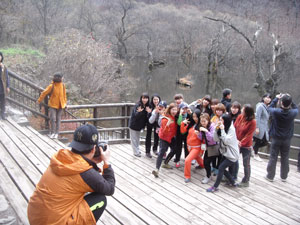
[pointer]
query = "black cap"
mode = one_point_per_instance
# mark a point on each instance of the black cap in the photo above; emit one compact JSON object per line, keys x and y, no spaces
{"x":85,"y":137}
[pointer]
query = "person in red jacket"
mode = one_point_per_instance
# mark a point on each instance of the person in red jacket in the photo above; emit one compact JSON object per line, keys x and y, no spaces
{"x":245,"y":126}
{"x":193,"y":143}
{"x":167,"y":133}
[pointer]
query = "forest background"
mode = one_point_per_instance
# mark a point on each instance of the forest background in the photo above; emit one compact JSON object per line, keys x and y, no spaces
{"x":113,"y":50}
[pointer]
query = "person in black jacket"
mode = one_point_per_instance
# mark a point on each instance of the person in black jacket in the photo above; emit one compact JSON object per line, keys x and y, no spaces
{"x":226,"y":100}
{"x":155,"y":99}
{"x":138,"y":121}
{"x":72,"y":190}
{"x":4,"y":85}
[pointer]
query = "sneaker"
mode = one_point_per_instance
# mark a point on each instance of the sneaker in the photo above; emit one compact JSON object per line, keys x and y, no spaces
{"x":155,"y":173}
{"x":268,"y":179}
{"x":55,"y":136}
{"x":167,"y":166}
{"x":229,"y":184}
{"x":138,"y":154}
{"x":243,"y":184}
{"x":177,"y":164}
{"x":149,"y":155}
{"x":187,"y":180}
{"x":257,"y":158}
{"x":52,"y":136}
{"x":205,"y":180}
{"x":193,"y":162}
{"x":283,"y":180}
{"x":155,"y":152}
{"x":212,"y":189}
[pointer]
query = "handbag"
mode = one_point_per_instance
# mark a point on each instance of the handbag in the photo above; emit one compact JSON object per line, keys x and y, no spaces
{"x":213,"y":150}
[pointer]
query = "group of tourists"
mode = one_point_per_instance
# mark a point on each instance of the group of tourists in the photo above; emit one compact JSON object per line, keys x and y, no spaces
{"x":214,"y":133}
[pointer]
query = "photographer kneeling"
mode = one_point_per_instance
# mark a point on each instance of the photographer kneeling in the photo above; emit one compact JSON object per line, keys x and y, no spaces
{"x":61,"y":194}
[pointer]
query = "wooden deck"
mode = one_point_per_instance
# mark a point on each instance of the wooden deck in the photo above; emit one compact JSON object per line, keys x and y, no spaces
{"x":142,"y":199}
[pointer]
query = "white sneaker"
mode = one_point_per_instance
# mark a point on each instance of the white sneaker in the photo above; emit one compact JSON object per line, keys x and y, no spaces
{"x":193,"y":162}
{"x":257,"y":158}
{"x":55,"y":136}
{"x":51,"y":136}
{"x":205,"y":180}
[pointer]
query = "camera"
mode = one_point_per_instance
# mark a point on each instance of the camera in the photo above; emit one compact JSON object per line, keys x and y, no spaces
{"x":101,"y":144}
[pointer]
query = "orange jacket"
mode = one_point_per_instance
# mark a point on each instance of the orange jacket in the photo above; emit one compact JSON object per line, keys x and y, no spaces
{"x":58,"y":98}
{"x":59,"y":195}
{"x":192,"y":137}
{"x":166,"y":133}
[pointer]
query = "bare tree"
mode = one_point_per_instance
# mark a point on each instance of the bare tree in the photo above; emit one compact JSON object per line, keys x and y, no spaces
{"x":47,"y":11}
{"x":262,"y":84}
{"x":217,"y":55}
{"x":89,"y":64}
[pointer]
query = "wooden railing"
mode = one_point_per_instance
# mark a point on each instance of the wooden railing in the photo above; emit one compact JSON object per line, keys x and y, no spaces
{"x":24,"y":94}
{"x":113,"y":127}
{"x":111,"y":119}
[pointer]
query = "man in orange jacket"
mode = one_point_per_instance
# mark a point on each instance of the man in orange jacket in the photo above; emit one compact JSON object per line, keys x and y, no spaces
{"x":57,"y":102}
{"x":61,"y":194}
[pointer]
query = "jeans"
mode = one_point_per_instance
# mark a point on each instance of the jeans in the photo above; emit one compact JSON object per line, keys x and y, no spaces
{"x":282,"y":146}
{"x":246,"y":153}
{"x":2,"y":105}
{"x":222,"y":170}
{"x":96,"y":201}
{"x":150,"y":128}
{"x":163,"y":148}
{"x":55,"y":117}
{"x":234,"y":170}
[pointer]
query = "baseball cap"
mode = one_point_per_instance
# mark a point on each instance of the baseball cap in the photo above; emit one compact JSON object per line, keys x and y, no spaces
{"x":85,"y":137}
{"x":183,"y":105}
{"x":162,"y":103}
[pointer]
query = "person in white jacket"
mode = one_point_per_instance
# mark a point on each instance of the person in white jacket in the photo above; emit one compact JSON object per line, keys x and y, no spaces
{"x":225,"y":134}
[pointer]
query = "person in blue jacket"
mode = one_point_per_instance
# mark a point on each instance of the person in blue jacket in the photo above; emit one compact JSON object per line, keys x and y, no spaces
{"x":281,"y":133}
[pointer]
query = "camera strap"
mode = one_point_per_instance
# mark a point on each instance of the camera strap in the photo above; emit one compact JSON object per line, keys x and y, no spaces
{"x":90,"y":162}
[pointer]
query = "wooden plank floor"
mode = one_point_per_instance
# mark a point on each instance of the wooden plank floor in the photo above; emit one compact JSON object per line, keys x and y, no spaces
{"x":142,"y":199}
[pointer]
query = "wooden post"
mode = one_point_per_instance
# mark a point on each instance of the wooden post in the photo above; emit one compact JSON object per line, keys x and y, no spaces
{"x":95,"y":116}
{"x":123,"y":122}
{"x":127,"y":121}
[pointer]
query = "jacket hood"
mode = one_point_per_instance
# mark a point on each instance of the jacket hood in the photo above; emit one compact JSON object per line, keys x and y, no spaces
{"x":66,"y":163}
